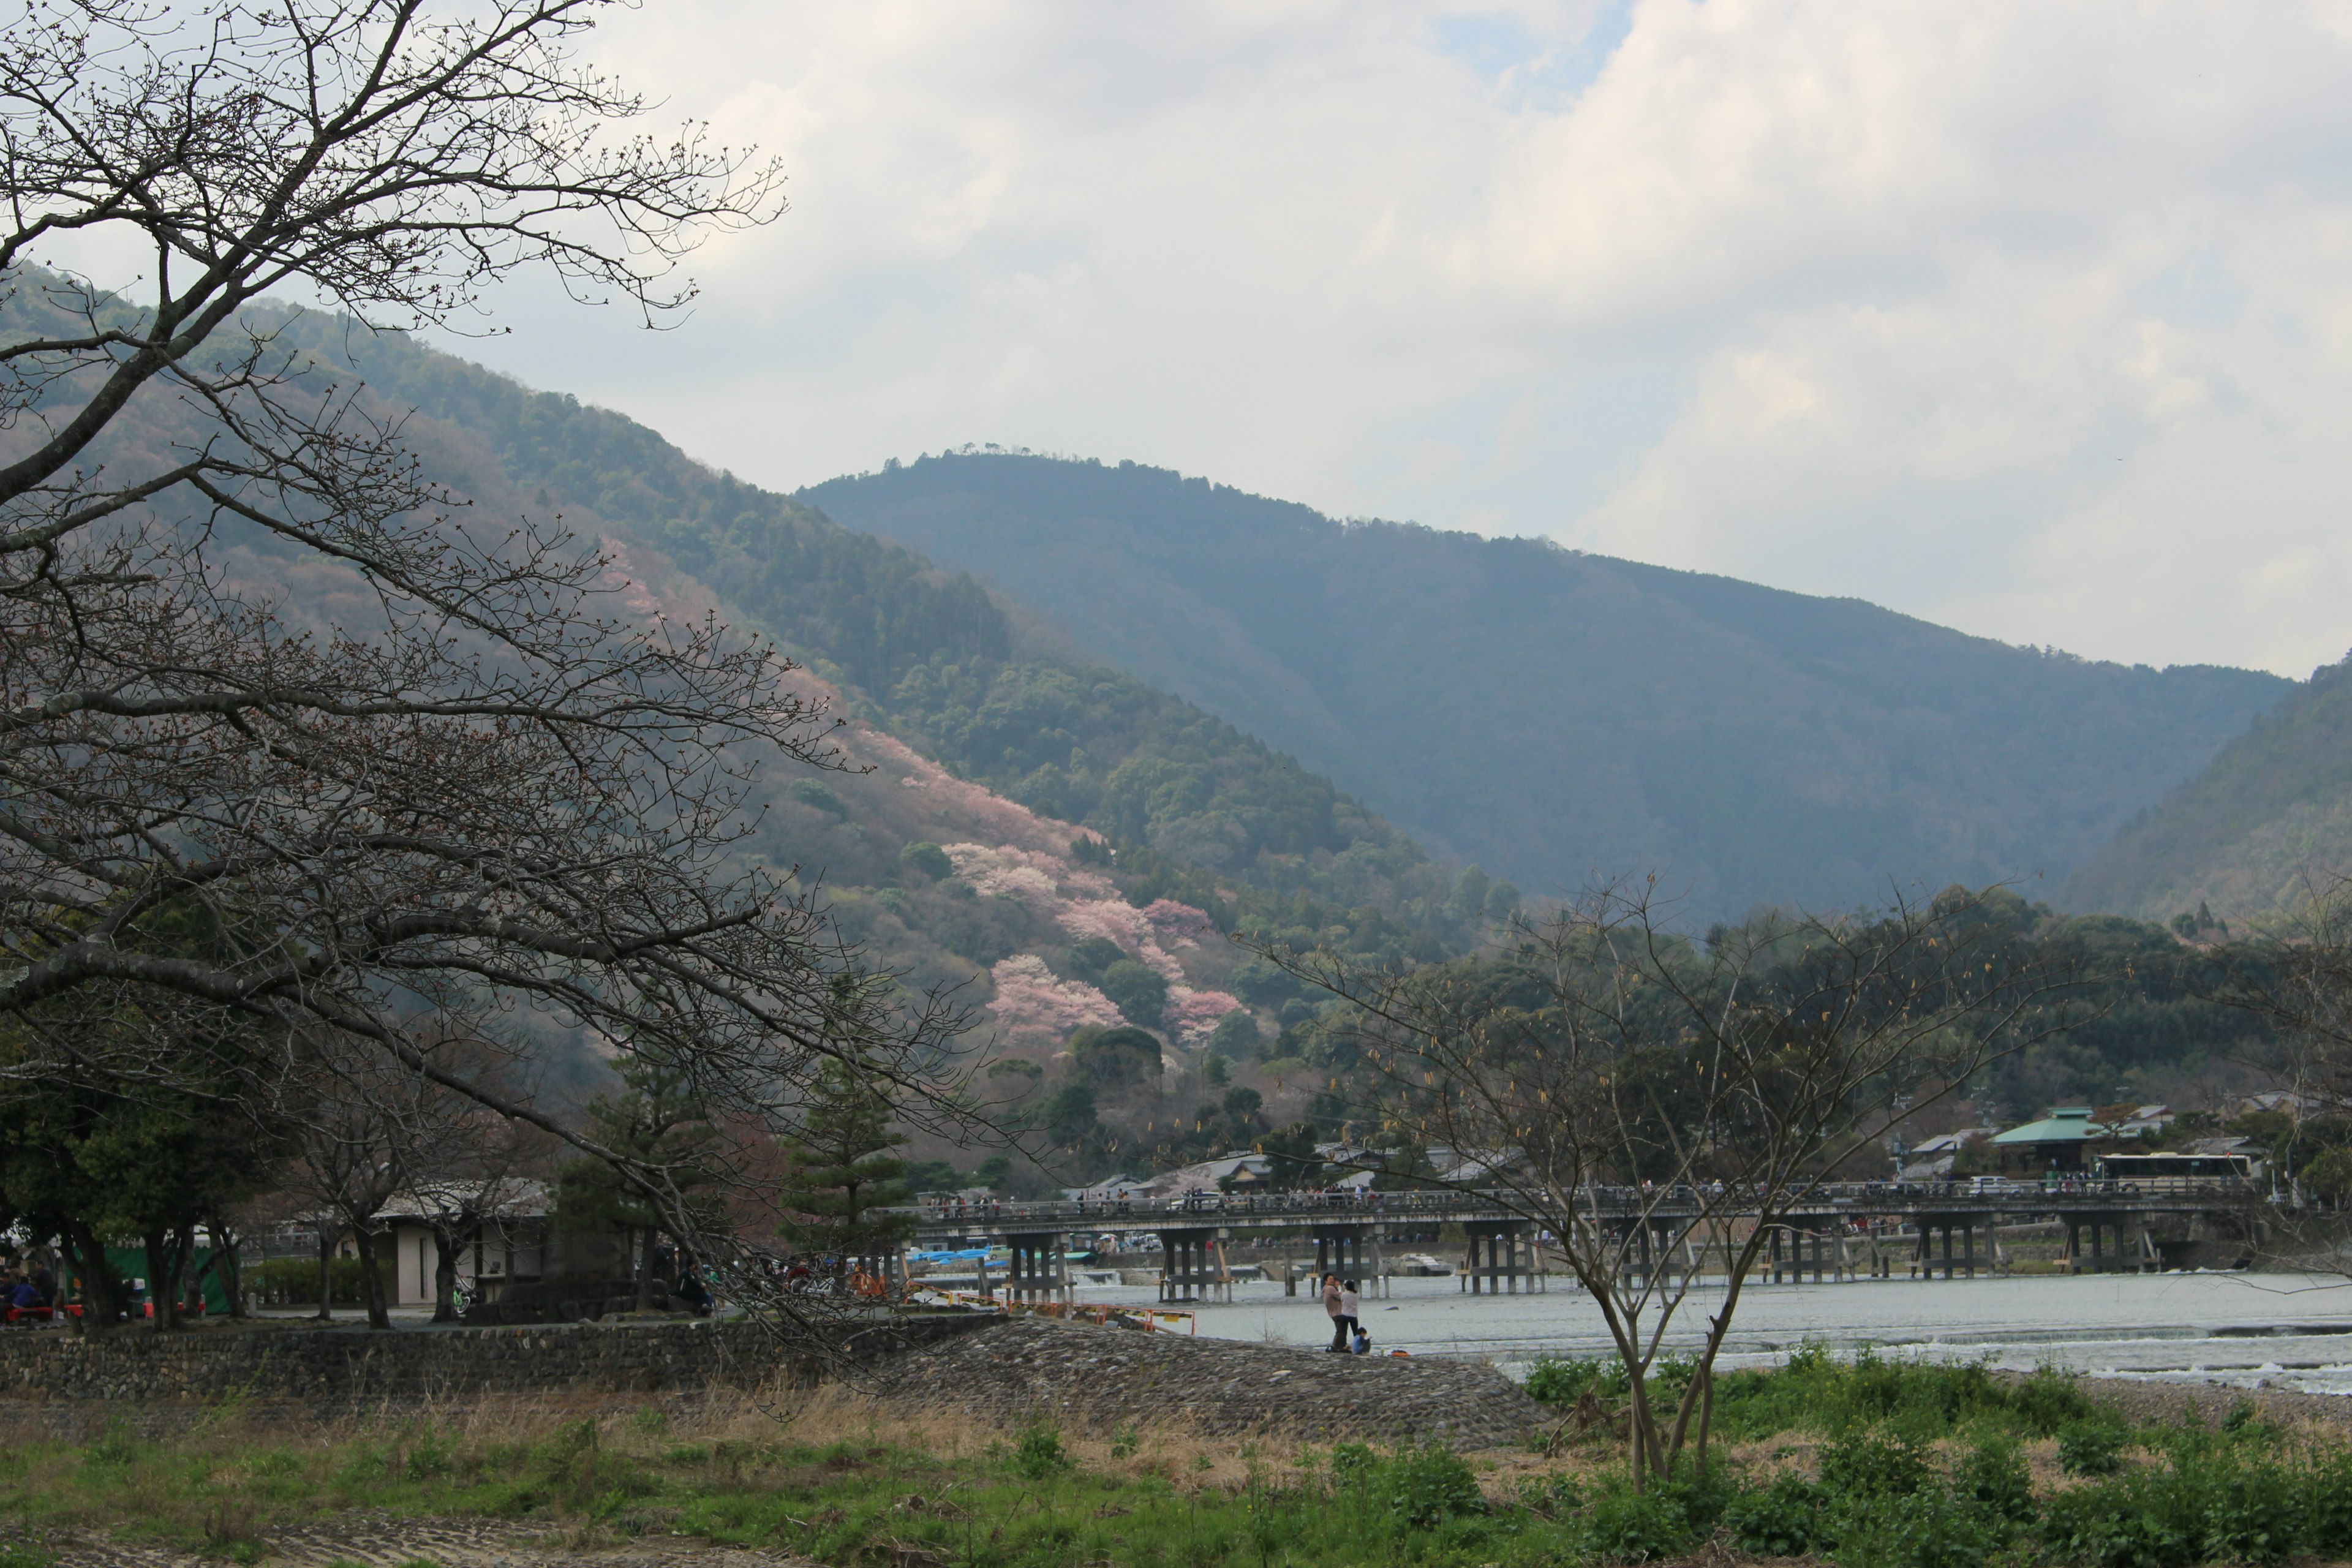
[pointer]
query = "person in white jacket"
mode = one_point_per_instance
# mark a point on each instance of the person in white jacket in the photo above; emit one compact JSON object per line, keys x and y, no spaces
{"x":1350,"y":1303}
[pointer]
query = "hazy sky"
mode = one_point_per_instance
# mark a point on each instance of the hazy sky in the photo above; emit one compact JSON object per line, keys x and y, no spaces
{"x":2034,"y":319}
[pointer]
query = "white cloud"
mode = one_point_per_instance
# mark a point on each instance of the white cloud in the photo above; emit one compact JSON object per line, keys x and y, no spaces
{"x":2034,"y":319}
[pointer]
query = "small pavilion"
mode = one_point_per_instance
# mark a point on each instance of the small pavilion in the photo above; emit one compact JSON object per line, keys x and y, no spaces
{"x":2057,"y":1143}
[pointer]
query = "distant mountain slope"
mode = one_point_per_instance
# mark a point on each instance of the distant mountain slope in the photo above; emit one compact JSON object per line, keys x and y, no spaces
{"x":2272,"y":807}
{"x":1556,"y":715}
{"x":934,"y":658}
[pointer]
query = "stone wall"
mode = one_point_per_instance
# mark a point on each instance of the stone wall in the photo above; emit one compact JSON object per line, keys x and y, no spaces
{"x":1007,"y":1370}
{"x":351,"y":1366}
{"x":1101,"y":1379}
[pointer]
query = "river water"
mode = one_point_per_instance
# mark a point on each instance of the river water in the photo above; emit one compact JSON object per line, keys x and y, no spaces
{"x":2279,"y":1331}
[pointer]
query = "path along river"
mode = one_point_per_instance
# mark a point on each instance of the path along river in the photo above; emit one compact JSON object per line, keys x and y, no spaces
{"x":2280,"y":1330}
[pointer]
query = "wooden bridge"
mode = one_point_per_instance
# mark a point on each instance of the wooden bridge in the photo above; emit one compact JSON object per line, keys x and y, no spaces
{"x":1847,"y":1231}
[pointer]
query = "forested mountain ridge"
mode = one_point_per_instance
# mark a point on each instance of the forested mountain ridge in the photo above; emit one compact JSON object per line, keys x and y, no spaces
{"x":947,"y":882}
{"x":2272,"y":811}
{"x":1206,"y":812}
{"x":1093,"y":960}
{"x":1555,"y":715}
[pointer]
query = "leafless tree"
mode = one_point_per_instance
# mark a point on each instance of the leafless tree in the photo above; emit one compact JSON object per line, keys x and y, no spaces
{"x":462,"y":1165}
{"x":484,"y":795}
{"x":1630,"y":1091}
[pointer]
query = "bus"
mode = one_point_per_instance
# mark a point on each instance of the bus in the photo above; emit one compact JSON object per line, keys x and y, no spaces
{"x":2176,"y":1173}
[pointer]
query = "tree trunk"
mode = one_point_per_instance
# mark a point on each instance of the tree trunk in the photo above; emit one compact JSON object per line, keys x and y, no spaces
{"x":187,"y":1284}
{"x":163,"y":1282}
{"x":378,"y":1314}
{"x":102,"y":1300}
{"x":446,"y":1247}
{"x":1706,"y":1413}
{"x":326,"y":1272}
{"x":228,"y":1266}
{"x":648,"y":1284}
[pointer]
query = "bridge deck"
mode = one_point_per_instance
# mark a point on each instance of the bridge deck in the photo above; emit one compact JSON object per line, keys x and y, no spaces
{"x":1827,"y":1207}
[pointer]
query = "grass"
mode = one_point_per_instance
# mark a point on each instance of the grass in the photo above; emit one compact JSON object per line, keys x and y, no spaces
{"x":1868,"y":1464}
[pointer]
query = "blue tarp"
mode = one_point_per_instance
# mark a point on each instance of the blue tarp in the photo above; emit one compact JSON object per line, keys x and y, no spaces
{"x":951,"y":1256}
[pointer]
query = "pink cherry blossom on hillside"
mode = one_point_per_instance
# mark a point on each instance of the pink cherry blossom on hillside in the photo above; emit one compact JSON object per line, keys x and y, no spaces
{"x":1123,"y":924}
{"x":1191,"y":1015}
{"x":974,"y":810}
{"x":1035,"y":1007}
{"x":1006,"y":872}
{"x":1179,"y":925}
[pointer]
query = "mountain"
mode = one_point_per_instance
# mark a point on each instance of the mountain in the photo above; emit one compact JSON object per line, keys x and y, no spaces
{"x":1197,"y":808}
{"x":2272,"y":808}
{"x":1558,"y":716}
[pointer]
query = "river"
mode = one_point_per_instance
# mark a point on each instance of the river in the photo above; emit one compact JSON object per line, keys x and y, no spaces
{"x":2279,"y":1331}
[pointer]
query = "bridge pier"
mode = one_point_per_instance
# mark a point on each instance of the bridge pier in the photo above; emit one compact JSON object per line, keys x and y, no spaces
{"x":2140,"y":1255}
{"x":1036,"y":1270}
{"x":1504,"y":1265}
{"x":1185,"y":1274}
{"x":1340,"y":1249}
{"x":1647,"y":1252}
{"x":1957,"y":1261}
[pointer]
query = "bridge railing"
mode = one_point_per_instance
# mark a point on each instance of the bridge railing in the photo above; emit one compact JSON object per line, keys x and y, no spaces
{"x":1351,"y":1205}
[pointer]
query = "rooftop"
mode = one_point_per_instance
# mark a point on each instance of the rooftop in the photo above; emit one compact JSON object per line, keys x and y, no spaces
{"x":2070,"y":1124}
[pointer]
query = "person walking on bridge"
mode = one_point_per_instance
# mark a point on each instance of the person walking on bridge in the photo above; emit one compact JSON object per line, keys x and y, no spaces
{"x":1338,"y":1313}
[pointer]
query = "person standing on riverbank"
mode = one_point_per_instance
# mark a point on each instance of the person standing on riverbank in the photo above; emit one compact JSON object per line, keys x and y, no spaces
{"x":1331,"y":1299}
{"x":1351,"y":1306}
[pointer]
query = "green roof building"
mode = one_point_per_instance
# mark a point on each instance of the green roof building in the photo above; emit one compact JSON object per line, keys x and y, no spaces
{"x":2055,"y":1142}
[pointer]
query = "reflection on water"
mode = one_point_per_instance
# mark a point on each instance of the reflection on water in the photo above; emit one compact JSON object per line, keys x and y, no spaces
{"x":2282,"y":1331}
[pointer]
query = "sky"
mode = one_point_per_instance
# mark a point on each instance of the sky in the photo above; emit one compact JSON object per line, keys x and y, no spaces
{"x":2033,"y":320}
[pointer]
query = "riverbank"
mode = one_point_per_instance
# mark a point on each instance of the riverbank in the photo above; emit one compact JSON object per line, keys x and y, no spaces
{"x":1822,"y":1461}
{"x":2238,"y":1329}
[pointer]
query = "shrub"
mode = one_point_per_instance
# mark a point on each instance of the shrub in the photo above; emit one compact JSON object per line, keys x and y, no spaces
{"x":1039,"y":1454}
{"x":1555,"y":1382}
{"x":1862,"y":1467}
{"x":1814,"y":1391}
{"x":2126,"y":1523}
{"x":1932,"y":1528}
{"x":2237,"y":1507}
{"x":2090,"y":1448}
{"x":2327,"y":1503}
{"x":1633,"y":1526}
{"x":1994,"y":1479}
{"x":2049,"y":1402}
{"x":1782,"y":1519}
{"x":1415,"y":1489}
{"x":1550,"y":1497}
{"x":1352,"y":1464}
{"x":1426,"y":1486}
{"x":294,"y":1281}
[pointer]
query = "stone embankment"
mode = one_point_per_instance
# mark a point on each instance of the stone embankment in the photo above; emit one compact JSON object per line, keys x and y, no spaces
{"x":1001,"y":1370}
{"x":1100,"y":1379}
{"x":352,"y":1367}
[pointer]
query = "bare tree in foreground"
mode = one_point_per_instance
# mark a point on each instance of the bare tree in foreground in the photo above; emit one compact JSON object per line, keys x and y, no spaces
{"x":483,"y":797}
{"x":1608,"y":1080}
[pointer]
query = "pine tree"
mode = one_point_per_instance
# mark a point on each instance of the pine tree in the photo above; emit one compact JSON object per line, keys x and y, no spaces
{"x":841,"y":1171}
{"x":658,"y":1121}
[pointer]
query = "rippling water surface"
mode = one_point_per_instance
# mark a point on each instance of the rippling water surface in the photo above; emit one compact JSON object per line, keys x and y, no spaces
{"x":2282,"y":1331}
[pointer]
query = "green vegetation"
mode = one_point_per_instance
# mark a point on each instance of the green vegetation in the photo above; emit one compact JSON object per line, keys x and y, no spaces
{"x":841,"y":1173}
{"x":1868,"y":1464}
{"x":1550,"y":714}
{"x":2242,"y":834}
{"x":1193,"y":804}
